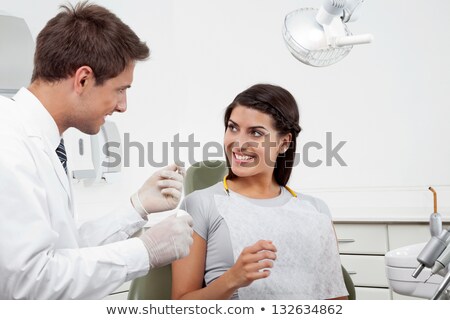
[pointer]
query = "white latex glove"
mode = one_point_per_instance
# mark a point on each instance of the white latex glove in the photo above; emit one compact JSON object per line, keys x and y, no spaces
{"x":168,"y":240}
{"x":161,"y":192}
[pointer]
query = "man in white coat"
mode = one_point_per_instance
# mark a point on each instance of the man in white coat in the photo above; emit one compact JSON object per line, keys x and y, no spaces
{"x":84,"y":63}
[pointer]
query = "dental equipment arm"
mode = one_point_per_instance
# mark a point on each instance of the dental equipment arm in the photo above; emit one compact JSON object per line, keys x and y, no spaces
{"x":442,"y":287}
{"x":351,"y":10}
{"x":330,"y":18}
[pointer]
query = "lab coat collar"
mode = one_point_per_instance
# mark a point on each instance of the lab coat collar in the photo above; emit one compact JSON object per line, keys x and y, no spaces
{"x":39,"y":123}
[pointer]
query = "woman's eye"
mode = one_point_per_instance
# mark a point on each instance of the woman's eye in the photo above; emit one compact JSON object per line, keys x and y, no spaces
{"x":257,"y":133}
{"x":232,"y":127}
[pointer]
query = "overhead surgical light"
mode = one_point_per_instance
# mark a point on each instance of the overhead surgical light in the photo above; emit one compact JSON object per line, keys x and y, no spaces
{"x":320,"y":37}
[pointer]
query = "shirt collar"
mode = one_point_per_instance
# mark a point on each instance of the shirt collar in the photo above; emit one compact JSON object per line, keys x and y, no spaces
{"x":39,"y":120}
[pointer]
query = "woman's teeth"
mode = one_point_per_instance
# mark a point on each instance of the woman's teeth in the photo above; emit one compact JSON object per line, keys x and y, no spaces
{"x":242,"y":157}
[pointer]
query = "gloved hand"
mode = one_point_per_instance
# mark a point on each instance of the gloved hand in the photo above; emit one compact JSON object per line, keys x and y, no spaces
{"x":161,"y":192}
{"x":168,"y":240}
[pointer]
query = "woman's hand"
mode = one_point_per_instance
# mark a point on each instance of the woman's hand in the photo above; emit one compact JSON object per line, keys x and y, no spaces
{"x":252,"y":264}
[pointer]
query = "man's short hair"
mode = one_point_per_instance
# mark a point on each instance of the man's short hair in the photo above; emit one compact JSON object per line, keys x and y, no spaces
{"x":85,"y":35}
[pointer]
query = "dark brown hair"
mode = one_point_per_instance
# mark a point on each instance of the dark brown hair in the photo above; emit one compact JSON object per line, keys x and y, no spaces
{"x":282,"y":107}
{"x":85,"y":35}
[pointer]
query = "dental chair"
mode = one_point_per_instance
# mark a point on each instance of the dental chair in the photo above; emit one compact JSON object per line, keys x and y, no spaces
{"x":157,"y":284}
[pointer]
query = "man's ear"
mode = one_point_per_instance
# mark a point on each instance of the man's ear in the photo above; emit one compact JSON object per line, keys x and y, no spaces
{"x":83,"y":77}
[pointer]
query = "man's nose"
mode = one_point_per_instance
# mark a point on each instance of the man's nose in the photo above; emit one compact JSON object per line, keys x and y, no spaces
{"x":122,"y":104}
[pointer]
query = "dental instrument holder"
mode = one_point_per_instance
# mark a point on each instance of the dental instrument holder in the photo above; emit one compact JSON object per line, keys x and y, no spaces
{"x":431,"y":252}
{"x":435,"y":224}
{"x":441,"y":265}
{"x":436,"y":253}
{"x":442,"y":262}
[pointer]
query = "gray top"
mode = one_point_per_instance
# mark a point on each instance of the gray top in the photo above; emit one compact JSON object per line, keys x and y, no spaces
{"x":211,"y":226}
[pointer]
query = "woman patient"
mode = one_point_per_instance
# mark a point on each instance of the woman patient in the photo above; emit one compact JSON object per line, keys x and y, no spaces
{"x":255,"y":238}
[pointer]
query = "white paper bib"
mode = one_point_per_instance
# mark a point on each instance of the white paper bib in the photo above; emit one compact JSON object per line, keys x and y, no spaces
{"x":308,"y":264}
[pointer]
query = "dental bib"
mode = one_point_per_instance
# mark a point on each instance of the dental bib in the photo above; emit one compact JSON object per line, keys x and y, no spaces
{"x":307,"y":264}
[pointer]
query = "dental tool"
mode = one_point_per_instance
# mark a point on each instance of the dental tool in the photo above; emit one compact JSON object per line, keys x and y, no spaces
{"x":441,"y":262}
{"x":431,"y":252}
{"x":435,"y":218}
{"x":436,"y":253}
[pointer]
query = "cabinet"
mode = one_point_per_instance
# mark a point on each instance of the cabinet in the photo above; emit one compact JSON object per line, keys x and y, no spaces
{"x":362,"y":246}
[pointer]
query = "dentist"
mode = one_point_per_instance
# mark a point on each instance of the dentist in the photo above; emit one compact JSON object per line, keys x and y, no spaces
{"x":83,"y":65}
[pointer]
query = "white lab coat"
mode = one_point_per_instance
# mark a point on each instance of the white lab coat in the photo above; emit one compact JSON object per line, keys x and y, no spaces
{"x":43,"y":255}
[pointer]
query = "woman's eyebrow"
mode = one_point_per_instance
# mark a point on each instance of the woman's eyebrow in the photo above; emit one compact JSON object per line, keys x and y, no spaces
{"x":234,"y":123}
{"x":252,"y":127}
{"x":258,"y":127}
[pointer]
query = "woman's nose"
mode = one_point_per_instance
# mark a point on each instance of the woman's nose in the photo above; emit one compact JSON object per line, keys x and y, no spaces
{"x":242,"y":142}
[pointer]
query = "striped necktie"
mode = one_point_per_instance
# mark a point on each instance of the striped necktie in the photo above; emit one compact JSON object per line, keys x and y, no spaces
{"x":61,"y":152}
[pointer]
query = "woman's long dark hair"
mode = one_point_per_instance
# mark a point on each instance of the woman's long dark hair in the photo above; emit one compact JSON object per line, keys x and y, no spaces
{"x":282,"y":107}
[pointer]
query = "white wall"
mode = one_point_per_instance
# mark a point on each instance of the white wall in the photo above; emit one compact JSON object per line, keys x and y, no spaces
{"x":388,"y":100}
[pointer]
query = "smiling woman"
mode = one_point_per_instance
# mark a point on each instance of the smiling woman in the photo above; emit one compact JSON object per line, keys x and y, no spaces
{"x":270,"y":115}
{"x":259,"y":239}
{"x":251,"y":142}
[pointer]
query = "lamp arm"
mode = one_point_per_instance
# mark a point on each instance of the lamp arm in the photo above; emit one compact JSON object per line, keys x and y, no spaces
{"x":351,"y":10}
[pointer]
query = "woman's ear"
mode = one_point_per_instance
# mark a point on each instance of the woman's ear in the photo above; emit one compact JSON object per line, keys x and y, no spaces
{"x":285,"y":142}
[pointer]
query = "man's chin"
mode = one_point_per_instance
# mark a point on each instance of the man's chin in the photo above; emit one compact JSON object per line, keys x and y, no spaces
{"x":90,"y":130}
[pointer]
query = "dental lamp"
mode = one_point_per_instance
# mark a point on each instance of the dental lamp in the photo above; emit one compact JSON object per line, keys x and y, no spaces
{"x":320,"y":37}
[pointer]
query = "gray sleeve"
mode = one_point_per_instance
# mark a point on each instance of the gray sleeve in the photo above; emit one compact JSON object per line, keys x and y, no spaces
{"x":210,"y":225}
{"x":198,"y":207}
{"x":323,"y":207}
{"x":319,"y":204}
